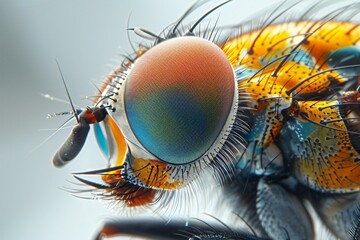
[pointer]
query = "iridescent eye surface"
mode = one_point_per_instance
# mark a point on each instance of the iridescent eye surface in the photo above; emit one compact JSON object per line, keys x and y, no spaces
{"x":178,"y":97}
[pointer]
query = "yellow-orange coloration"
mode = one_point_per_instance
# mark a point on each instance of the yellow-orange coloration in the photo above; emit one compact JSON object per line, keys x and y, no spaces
{"x":278,"y":40}
{"x":131,"y":195}
{"x":330,"y":160}
{"x":120,"y":142}
{"x":155,"y":174}
{"x":269,"y":43}
{"x":329,"y":37}
{"x":273,"y":85}
{"x":265,"y":85}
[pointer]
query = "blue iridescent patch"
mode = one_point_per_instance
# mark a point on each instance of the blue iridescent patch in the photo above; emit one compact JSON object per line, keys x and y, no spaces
{"x":101,"y":140}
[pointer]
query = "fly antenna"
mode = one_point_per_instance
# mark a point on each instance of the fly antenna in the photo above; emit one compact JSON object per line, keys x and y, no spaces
{"x":67,"y":92}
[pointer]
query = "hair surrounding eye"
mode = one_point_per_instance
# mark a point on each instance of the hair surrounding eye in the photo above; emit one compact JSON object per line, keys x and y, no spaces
{"x":178,"y":97}
{"x":268,"y":108}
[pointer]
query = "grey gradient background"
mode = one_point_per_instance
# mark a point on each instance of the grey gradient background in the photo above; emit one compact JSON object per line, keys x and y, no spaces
{"x":87,"y":37}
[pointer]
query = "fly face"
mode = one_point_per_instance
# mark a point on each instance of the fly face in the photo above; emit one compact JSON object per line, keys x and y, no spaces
{"x":272,"y":111}
{"x":174,"y":106}
{"x":169,"y":113}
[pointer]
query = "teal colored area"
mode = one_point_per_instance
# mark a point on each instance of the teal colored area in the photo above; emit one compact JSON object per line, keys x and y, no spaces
{"x":307,"y":129}
{"x":101,"y":140}
{"x":242,"y":73}
{"x":344,"y":58}
{"x":174,"y":125}
{"x":292,"y":135}
{"x":258,"y":127}
{"x":298,"y":56}
{"x":302,"y":56}
{"x":299,"y":130}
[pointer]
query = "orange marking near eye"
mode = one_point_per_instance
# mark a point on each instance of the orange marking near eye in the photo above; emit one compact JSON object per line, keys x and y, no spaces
{"x":156,"y":174}
{"x":131,"y":195}
{"x":153,"y":173}
{"x":120,"y":141}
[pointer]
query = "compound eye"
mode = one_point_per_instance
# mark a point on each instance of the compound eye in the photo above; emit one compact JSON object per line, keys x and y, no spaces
{"x":178,"y":97}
